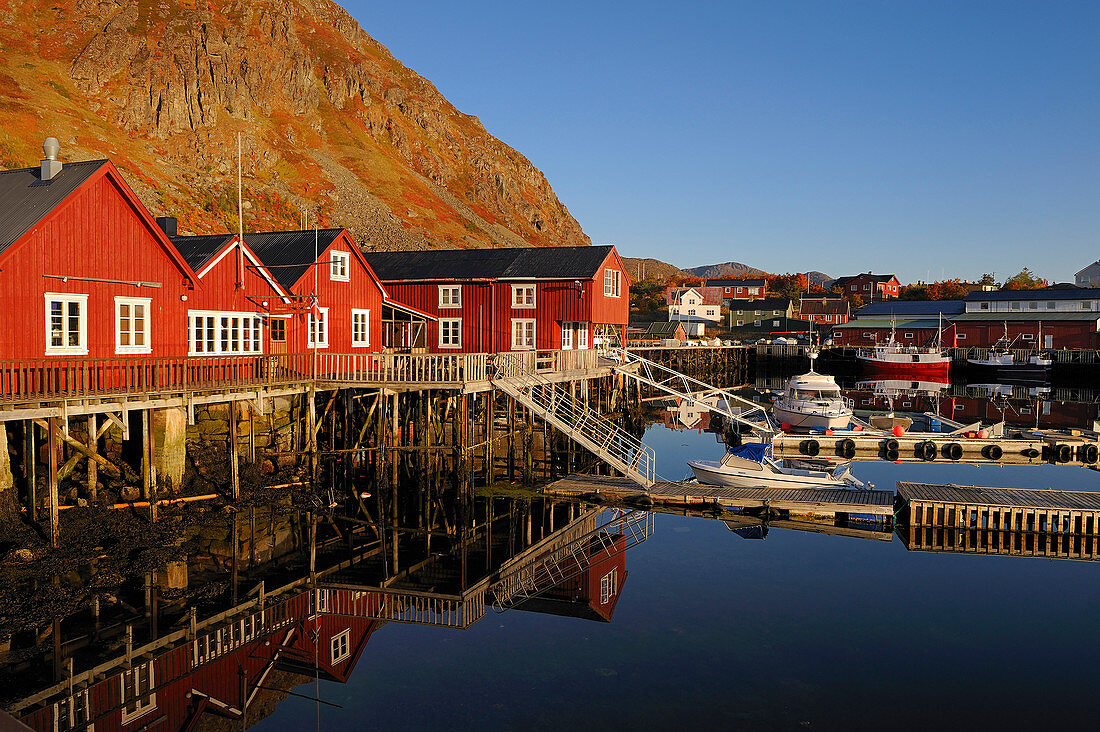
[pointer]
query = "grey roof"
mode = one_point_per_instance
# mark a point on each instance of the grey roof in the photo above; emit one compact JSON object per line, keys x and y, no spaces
{"x":289,"y":254}
{"x":199,"y":250}
{"x":1047,"y":293}
{"x":904,"y":308}
{"x":661,"y":327}
{"x":549,"y":263}
{"x":25,"y":198}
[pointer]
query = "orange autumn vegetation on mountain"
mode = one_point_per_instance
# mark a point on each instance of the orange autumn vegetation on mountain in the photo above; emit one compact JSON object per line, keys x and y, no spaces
{"x":330,"y":122}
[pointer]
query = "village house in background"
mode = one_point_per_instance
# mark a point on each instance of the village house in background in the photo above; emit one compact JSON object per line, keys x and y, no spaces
{"x":754,"y":312}
{"x":1089,"y":276}
{"x":695,"y":305}
{"x":824,"y":309}
{"x":870,"y":287}
{"x":739,"y":288}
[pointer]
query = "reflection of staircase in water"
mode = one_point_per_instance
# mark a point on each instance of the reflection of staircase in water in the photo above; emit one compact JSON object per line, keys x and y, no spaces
{"x":604,"y":439}
{"x":619,"y":530}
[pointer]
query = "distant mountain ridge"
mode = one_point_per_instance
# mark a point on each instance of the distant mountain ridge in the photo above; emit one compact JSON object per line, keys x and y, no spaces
{"x":725,"y":269}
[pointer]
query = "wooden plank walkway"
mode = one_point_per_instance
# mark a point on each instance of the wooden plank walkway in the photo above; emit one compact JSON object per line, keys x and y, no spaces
{"x":1011,"y":509}
{"x":816,"y":502}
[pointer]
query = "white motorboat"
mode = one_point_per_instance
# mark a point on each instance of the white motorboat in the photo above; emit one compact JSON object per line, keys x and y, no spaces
{"x":813,"y":401}
{"x":1003,"y":363}
{"x":750,"y":465}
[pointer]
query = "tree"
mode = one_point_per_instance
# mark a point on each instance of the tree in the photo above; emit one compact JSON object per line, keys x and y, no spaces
{"x":1024,"y":280}
{"x":918,"y":291}
{"x":789,"y":285}
{"x":987,"y":280}
{"x":948,"y":290}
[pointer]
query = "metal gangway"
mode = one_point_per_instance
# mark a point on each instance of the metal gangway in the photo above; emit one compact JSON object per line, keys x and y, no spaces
{"x":619,"y":530}
{"x":604,"y":439}
{"x":734,"y":408}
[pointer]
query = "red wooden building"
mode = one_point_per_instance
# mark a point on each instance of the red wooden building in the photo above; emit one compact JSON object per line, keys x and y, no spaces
{"x":221,"y":672}
{"x":740,"y":288}
{"x":824,"y":310}
{"x":594,"y":593}
{"x":870,"y":287}
{"x":85,"y":272}
{"x":491,"y":300}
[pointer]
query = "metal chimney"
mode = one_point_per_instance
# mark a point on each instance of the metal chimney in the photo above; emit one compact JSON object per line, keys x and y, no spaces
{"x":51,"y":166}
{"x":168,"y":224}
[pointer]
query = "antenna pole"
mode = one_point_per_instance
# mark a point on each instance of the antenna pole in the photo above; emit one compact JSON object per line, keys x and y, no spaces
{"x":240,"y":217}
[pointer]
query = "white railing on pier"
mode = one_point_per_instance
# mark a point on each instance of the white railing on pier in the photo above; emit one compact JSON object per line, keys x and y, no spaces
{"x":732,"y":407}
{"x":434,"y":368}
{"x":604,"y":439}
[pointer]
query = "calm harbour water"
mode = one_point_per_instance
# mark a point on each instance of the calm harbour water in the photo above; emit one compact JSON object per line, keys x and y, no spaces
{"x":798,"y":631}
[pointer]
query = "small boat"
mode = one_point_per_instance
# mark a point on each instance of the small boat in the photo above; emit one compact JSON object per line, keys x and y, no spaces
{"x":1003,"y":363}
{"x":891,"y":389}
{"x":929,"y":363}
{"x":813,"y":401}
{"x":750,"y":465}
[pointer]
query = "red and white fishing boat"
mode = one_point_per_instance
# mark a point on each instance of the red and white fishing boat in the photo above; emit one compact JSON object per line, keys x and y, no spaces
{"x":928,"y":363}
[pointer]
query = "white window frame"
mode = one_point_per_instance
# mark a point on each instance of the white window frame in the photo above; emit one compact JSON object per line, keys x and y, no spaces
{"x":520,"y":297}
{"x":339,"y":266}
{"x":143,"y":302}
{"x":249,"y":339}
{"x":454,"y":339}
{"x":582,"y":335}
{"x":322,"y":322}
{"x":740,"y":322}
{"x":450,"y":296}
{"x":908,"y":335}
{"x":609,"y":585}
{"x":340,"y":646}
{"x":81,"y":348}
{"x":612,"y":283}
{"x":961,"y":336}
{"x":360,"y":338}
{"x":1027,"y":336}
{"x":73,"y":712}
{"x":567,"y":335}
{"x":142,"y":701}
{"x":525,"y":346}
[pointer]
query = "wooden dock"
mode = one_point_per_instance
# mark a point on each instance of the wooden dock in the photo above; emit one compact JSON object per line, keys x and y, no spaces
{"x":1068,"y":447}
{"x":1005,"y":509}
{"x":823,"y":502}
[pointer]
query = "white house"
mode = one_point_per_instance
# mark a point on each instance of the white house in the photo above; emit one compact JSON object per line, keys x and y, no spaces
{"x":690,"y":306}
{"x":1089,"y":276}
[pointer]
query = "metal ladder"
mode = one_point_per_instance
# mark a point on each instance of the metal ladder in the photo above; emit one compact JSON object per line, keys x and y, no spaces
{"x":557,"y":566}
{"x":604,"y":439}
{"x":672,"y":382}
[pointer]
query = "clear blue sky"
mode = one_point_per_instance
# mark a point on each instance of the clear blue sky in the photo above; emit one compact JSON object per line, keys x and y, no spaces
{"x":912,"y":137}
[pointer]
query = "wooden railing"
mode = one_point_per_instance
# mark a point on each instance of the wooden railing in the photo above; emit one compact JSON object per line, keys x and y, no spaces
{"x":52,"y":378}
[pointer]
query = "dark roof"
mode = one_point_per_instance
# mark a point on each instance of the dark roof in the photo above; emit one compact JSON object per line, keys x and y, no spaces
{"x":766,"y":303}
{"x":1047,"y":293}
{"x":289,"y":254}
{"x":737,"y":282}
{"x":26,"y":198}
{"x":199,"y":250}
{"x":550,"y":263}
{"x":906,"y":308}
{"x":816,"y":306}
{"x":661,"y":327}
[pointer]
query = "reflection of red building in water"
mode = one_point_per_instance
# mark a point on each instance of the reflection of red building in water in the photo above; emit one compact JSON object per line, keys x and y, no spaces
{"x":221,"y":671}
{"x":591,"y":595}
{"x":686,"y":416}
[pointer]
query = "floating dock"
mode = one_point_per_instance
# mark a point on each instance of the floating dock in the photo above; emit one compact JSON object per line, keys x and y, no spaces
{"x":1069,"y":447}
{"x":820,"y":503}
{"x":930,"y":505}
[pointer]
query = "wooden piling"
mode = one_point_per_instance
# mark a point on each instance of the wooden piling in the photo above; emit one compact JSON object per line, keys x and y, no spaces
{"x":54,"y":448}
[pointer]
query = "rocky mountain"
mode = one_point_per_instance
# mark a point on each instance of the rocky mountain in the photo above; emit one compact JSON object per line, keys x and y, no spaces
{"x":639,"y":269}
{"x":726,"y":269}
{"x":329,"y":122}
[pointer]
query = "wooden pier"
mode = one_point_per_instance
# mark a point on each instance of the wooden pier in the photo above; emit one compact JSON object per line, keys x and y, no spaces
{"x":1006,"y":509}
{"x":1037,"y":447}
{"x":821,"y":503}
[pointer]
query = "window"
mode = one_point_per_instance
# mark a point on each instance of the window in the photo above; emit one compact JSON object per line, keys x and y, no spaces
{"x":612,"y":280}
{"x":757,"y":312}
{"x":866,"y":288}
{"x":523,"y":335}
{"x":1015,"y":306}
{"x":450,"y":333}
{"x":855,"y":288}
{"x":338,"y":266}
{"x":756,"y":323}
{"x":775,"y":323}
{"x":66,"y":324}
{"x":566,"y":336}
{"x":523,"y":296}
{"x":961,"y":336}
{"x":1086,"y":305}
{"x":984,"y":306}
{"x":727,"y":289}
{"x":132,"y":325}
{"x":277,"y":329}
{"x":341,"y":646}
{"x":740,"y":290}
{"x":582,"y":336}
{"x":138,"y":697}
{"x":1033,"y":306}
{"x":691,"y":312}
{"x":224,"y":333}
{"x":868,"y":335}
{"x":360,"y":328}
{"x":1027,"y":337}
{"x":318,"y":328}
{"x":740,"y":322}
{"x":72,"y":712}
{"x":609,"y":585}
{"x":450,"y":296}
{"x":1050,"y":305}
